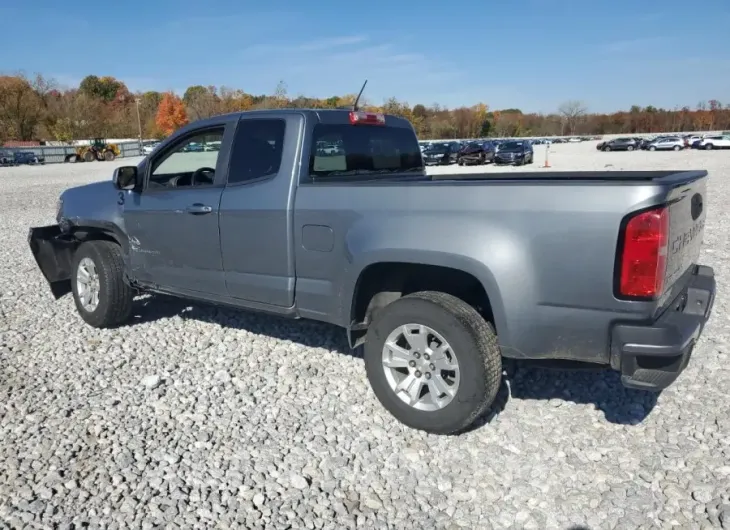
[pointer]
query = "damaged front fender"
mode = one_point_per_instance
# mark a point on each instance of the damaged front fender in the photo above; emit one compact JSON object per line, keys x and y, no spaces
{"x":53,"y":252}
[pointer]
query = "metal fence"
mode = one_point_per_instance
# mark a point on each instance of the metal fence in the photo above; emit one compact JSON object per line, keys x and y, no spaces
{"x":57,"y":154}
{"x":566,"y":137}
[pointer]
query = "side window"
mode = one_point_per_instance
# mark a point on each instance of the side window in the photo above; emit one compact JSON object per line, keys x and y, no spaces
{"x":257,"y":149}
{"x":190,"y":163}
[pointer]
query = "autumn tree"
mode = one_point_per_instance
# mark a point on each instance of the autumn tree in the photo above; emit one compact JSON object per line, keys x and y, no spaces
{"x":572,"y":111}
{"x":21,"y":108}
{"x":171,"y":114}
{"x":202,"y":102}
{"x":105,"y":88}
{"x":35,"y":108}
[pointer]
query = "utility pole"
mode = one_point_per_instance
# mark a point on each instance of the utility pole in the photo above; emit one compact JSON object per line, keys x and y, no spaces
{"x":139,"y":125}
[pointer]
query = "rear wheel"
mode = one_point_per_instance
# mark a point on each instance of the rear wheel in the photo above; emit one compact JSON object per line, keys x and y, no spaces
{"x":102,"y":298}
{"x":652,"y":148}
{"x":709,"y":146}
{"x":109,"y":155}
{"x":630,"y":148}
{"x":677,"y":148}
{"x":433,"y":362}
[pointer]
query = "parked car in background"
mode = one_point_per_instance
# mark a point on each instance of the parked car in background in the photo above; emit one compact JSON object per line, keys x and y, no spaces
{"x":644,"y":142}
{"x":515,"y":153}
{"x":441,"y":154}
{"x":193,"y":147}
{"x":476,"y":153}
{"x":667,"y":143}
{"x":148,"y":147}
{"x":27,"y":157}
{"x":715,"y":142}
{"x":618,"y":144}
{"x":6,"y":158}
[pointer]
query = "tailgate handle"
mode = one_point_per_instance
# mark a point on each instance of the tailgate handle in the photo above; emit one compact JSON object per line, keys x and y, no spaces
{"x":696,"y":206}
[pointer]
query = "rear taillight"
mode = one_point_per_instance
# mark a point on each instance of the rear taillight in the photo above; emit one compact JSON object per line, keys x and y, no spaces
{"x":644,"y":254}
{"x":368,"y":118}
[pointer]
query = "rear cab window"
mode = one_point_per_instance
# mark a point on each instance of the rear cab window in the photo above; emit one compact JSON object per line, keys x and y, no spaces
{"x":359,"y":150}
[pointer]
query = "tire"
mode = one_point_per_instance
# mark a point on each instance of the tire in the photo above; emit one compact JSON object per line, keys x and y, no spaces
{"x":630,"y":148}
{"x":709,"y":146}
{"x":652,"y":148}
{"x":114,"y":305}
{"x":606,"y":149}
{"x":460,"y":162}
{"x":677,"y":148}
{"x":473,"y":343}
{"x":109,"y":156}
{"x":89,"y":156}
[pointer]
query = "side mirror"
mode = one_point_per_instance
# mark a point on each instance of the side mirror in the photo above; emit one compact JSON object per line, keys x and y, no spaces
{"x":125,"y":177}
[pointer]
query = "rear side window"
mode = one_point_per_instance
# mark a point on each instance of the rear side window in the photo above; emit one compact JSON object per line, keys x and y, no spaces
{"x":257,"y":149}
{"x":339,"y":150}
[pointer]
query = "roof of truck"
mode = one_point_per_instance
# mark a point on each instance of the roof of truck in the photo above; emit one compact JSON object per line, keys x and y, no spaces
{"x":323,"y":115}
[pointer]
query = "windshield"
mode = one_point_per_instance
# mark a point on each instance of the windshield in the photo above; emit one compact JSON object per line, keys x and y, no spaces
{"x":510,"y":146}
{"x":441,"y":148}
{"x":363,"y":149}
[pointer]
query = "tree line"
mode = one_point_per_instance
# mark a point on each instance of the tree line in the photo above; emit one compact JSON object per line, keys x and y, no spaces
{"x":37,"y":108}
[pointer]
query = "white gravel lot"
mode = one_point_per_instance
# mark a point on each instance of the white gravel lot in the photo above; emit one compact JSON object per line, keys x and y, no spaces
{"x":198,"y":417}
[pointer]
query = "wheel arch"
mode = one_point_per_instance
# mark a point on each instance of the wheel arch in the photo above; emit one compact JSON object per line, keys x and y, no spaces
{"x":89,"y":230}
{"x":383,"y":279}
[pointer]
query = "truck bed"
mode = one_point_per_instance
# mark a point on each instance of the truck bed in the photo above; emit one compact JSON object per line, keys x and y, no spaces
{"x":580,"y":176}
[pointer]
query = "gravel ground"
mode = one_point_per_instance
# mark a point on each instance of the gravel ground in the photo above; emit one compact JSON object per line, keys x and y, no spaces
{"x":198,"y":417}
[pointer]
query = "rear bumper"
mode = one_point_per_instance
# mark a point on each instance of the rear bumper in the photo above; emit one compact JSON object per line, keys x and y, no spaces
{"x":53,"y":251}
{"x":651,"y":356}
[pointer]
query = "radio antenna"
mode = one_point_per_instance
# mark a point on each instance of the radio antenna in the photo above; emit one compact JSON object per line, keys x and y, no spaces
{"x":357,"y":99}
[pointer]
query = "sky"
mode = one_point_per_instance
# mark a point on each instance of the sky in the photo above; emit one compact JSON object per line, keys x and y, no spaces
{"x":527,"y":54}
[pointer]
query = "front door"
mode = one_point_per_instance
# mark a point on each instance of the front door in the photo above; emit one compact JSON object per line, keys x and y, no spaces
{"x":173,"y":223}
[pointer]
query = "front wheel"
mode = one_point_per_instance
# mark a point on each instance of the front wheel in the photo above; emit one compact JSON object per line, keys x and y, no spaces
{"x":109,"y":156}
{"x":606,"y":149}
{"x":630,"y":148}
{"x":652,"y":148}
{"x":708,"y":146}
{"x":102,"y":298}
{"x":677,"y":148}
{"x":433,"y":362}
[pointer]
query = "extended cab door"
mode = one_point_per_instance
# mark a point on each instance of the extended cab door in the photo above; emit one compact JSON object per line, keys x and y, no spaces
{"x":173,"y":223}
{"x":256,"y":212}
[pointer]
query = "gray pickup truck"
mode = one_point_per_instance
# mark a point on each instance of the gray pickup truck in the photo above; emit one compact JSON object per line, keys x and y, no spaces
{"x":438,"y":278}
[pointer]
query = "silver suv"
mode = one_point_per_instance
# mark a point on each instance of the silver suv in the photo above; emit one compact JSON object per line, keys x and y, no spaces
{"x":666,"y":143}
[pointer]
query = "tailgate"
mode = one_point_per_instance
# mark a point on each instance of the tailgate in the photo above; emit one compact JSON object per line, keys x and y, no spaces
{"x":687,"y":211}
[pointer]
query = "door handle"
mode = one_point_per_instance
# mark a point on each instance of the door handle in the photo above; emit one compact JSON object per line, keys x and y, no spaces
{"x":198,"y":209}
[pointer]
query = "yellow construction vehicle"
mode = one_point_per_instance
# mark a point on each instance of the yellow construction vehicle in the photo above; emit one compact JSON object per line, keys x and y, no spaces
{"x":99,"y":149}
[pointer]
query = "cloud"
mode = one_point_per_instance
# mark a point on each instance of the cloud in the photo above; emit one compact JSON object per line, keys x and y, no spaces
{"x":338,"y":64}
{"x":303,"y":47}
{"x":629,"y":45}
